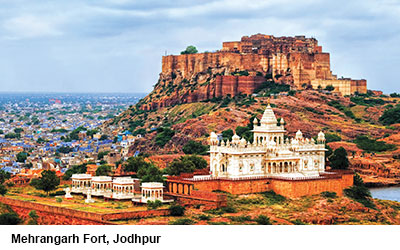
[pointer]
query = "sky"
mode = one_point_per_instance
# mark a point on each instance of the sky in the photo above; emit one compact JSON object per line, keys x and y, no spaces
{"x":117,"y":45}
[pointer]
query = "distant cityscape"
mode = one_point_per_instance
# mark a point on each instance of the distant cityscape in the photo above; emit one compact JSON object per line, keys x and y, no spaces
{"x":55,"y":130}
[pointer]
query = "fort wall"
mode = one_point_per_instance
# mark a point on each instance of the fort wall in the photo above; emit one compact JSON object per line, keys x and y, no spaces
{"x":292,"y":188}
{"x":53,"y":215}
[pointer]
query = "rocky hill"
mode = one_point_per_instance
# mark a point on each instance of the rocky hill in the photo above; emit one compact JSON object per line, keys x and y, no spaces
{"x":166,"y":130}
{"x":244,"y":67}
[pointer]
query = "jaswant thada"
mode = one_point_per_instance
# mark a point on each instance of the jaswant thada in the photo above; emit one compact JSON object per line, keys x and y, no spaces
{"x":270,"y":154}
{"x":292,"y":167}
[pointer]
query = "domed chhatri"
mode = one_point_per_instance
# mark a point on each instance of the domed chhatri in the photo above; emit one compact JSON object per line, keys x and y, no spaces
{"x":270,"y":154}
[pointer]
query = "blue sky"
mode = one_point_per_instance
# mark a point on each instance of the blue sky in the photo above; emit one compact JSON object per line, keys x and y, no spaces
{"x":116,"y":45}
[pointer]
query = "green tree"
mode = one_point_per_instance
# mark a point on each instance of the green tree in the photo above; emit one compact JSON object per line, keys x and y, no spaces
{"x":176,"y":167}
{"x":227,"y":134}
{"x":100,"y":155}
{"x":75,"y":169}
{"x":163,"y":136}
{"x":150,"y":173}
{"x":10,"y":218}
{"x":48,"y":182}
{"x":189,"y":50}
{"x":4,"y":176}
{"x":390,"y":116}
{"x":199,"y":162}
{"x":22,"y":156}
{"x":193,"y":147}
{"x":359,"y":192}
{"x":64,"y":149}
{"x":134,"y":163}
{"x":3,"y":190}
{"x":103,"y":170}
{"x":339,"y":159}
{"x":245,"y":132}
{"x":18,"y":130}
{"x":33,"y":218}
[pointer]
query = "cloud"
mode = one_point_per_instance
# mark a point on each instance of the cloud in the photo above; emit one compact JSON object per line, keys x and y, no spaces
{"x":29,"y":27}
{"x":116,"y":45}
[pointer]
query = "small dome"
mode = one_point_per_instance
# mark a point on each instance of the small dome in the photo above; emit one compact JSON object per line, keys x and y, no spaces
{"x":255,"y":121}
{"x":235,"y":139}
{"x":282,"y":122}
{"x":299,"y":135}
{"x":213,"y":135}
{"x":321,"y":137}
{"x":243,"y":142}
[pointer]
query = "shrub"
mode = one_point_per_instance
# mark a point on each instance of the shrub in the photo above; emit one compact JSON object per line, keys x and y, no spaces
{"x":332,"y":137}
{"x":222,"y":210}
{"x":57,"y":193}
{"x":273,"y":198}
{"x":177,"y":210}
{"x":193,"y":147}
{"x":359,"y":192}
{"x":154,"y":204}
{"x":217,"y":223}
{"x":10,"y":218}
{"x":367,"y":102}
{"x":327,"y":194}
{"x":204,"y":217}
{"x":270,"y":87}
{"x":263,"y":220}
{"x":330,"y":88}
{"x":163,"y":136}
{"x":33,"y":218}
{"x":314,"y":110}
{"x":372,"y":145}
{"x":390,"y":116}
{"x":240,"y":218}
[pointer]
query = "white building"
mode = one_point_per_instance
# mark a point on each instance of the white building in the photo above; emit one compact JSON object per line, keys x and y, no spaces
{"x":152,"y":191}
{"x":270,"y":154}
{"x":118,"y":188}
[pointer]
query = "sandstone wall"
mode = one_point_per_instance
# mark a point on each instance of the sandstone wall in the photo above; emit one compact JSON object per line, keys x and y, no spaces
{"x":190,"y":64}
{"x":241,"y":186}
{"x":295,"y":189}
{"x":289,"y":188}
{"x":53,"y":215}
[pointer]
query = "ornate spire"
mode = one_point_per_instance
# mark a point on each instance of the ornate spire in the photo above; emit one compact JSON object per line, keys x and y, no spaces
{"x":268,"y":117}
